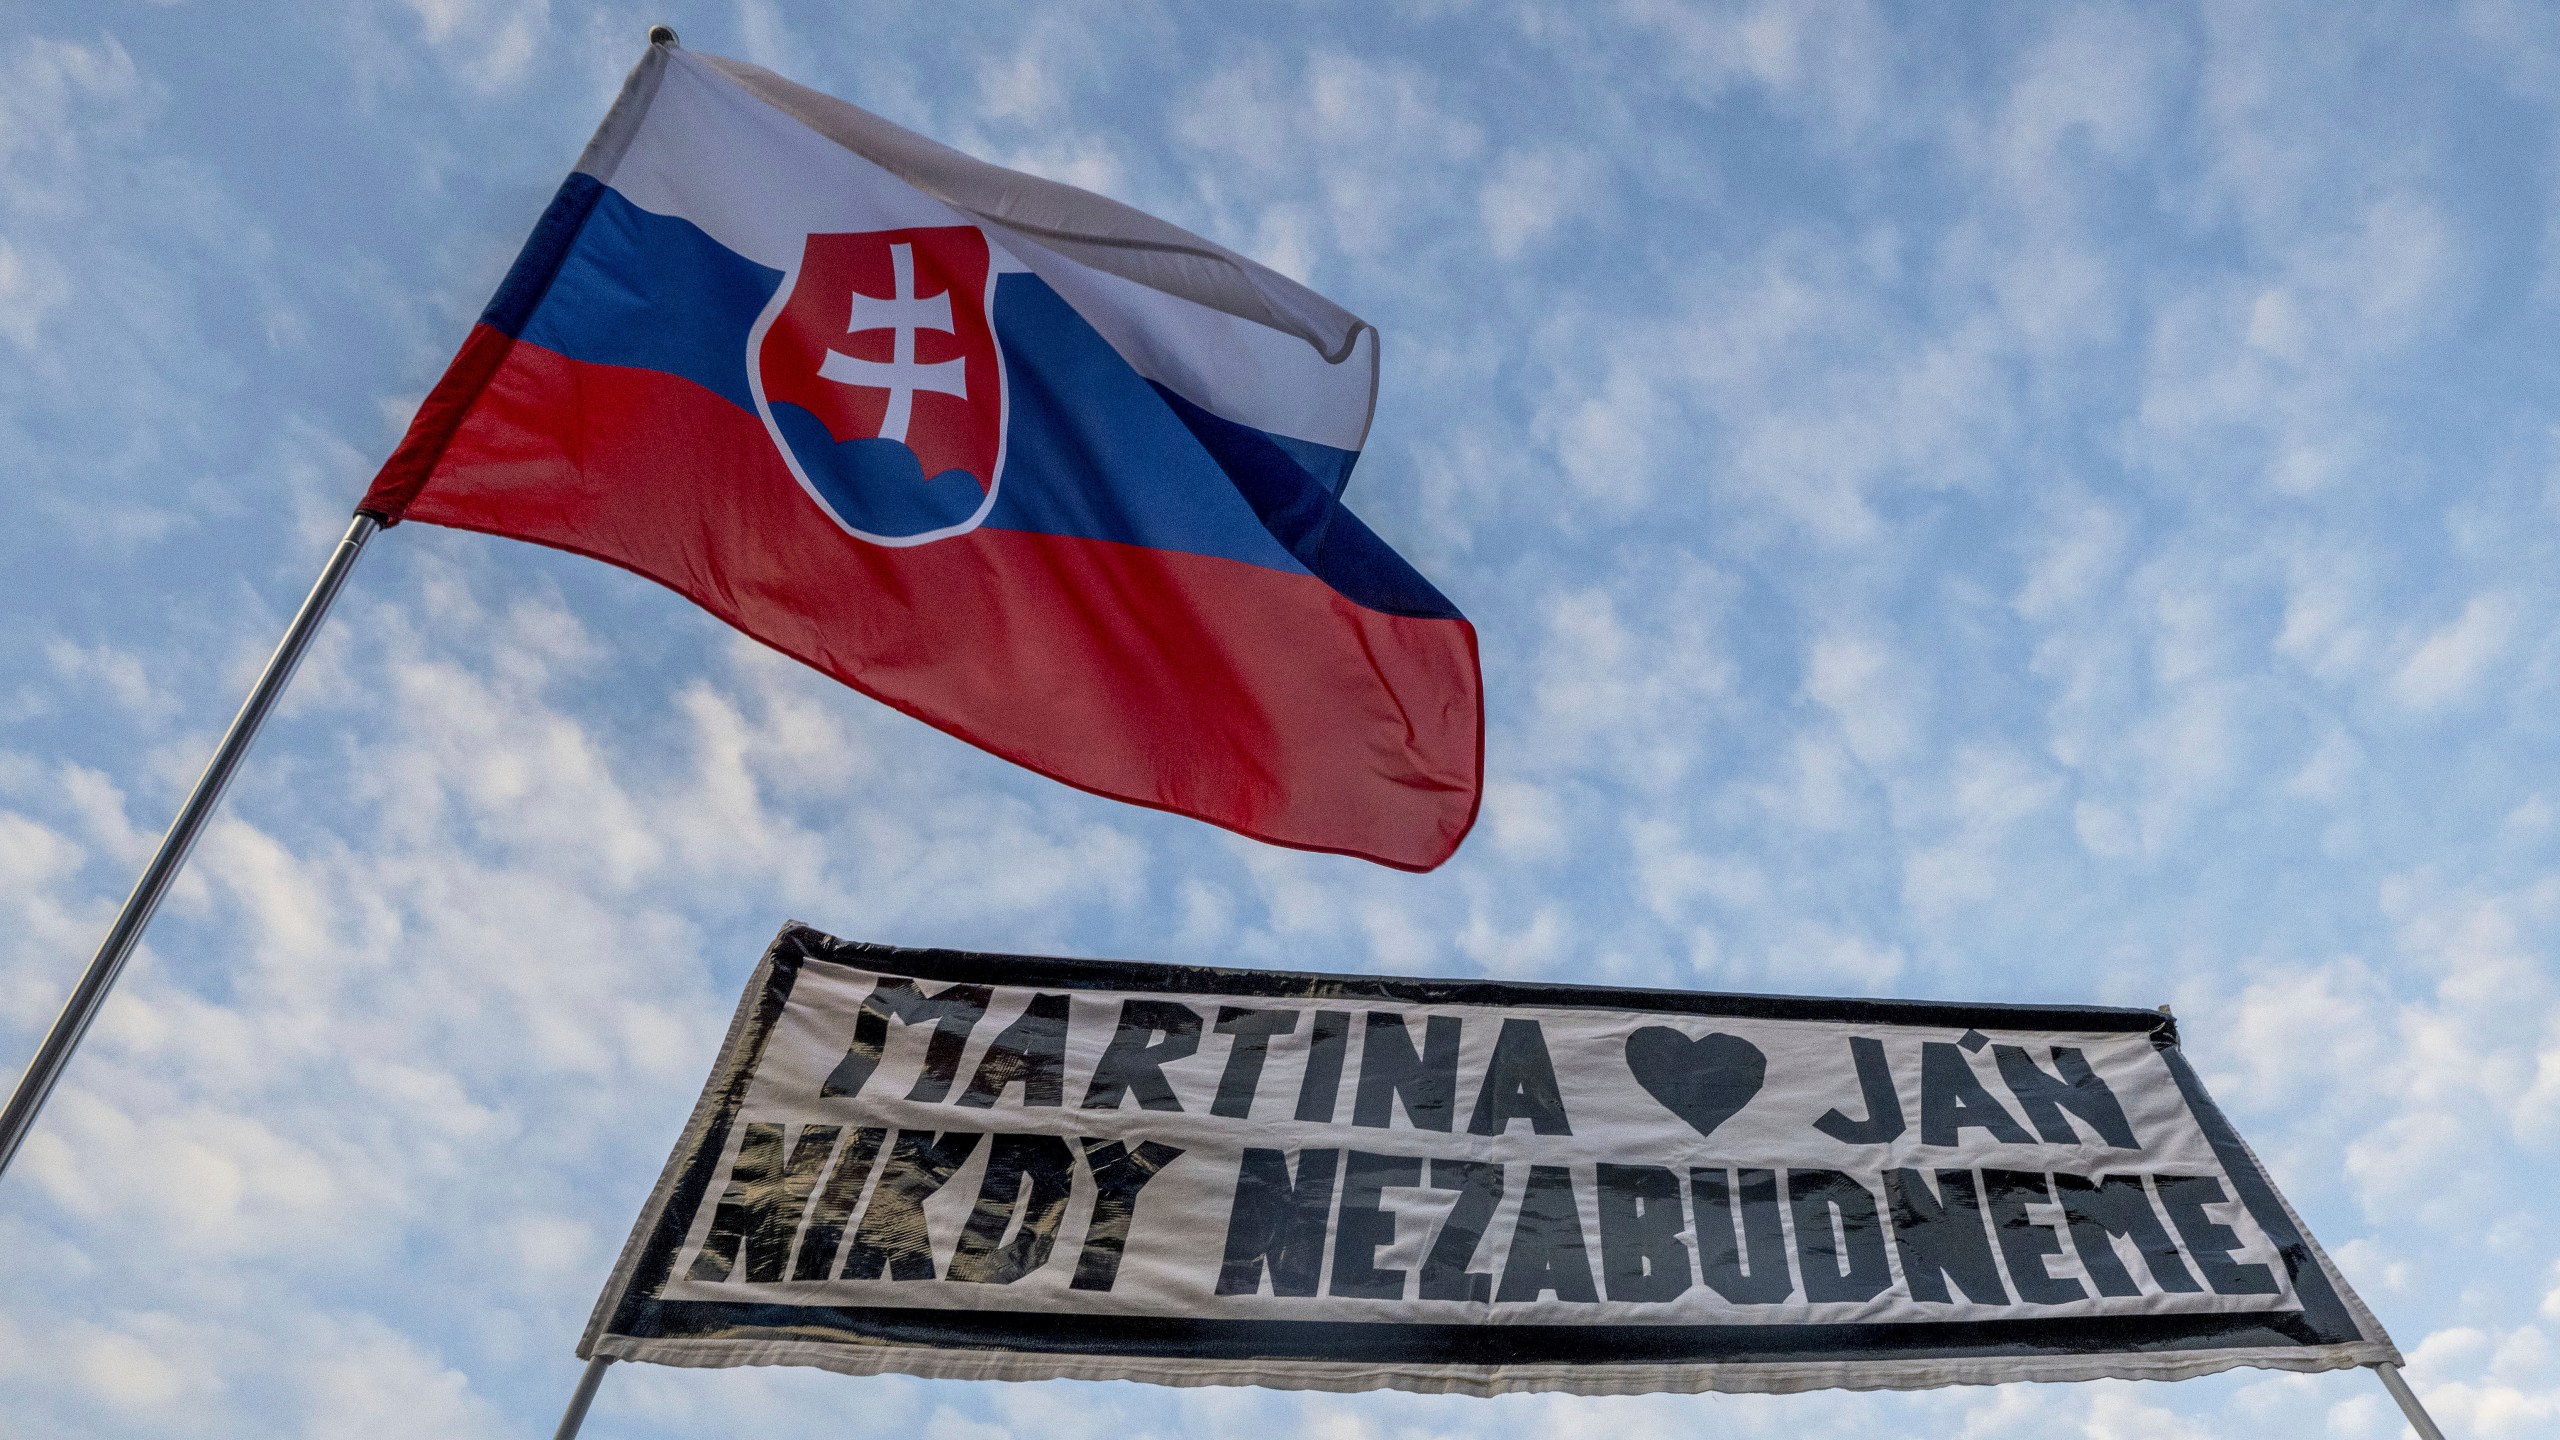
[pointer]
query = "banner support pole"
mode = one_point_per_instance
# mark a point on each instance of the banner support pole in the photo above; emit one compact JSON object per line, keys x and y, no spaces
{"x":575,"y":1417}
{"x":19,"y":1117}
{"x":2419,"y":1420}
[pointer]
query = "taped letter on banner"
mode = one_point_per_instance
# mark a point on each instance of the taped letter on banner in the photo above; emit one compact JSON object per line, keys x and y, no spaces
{"x":1004,"y":1167}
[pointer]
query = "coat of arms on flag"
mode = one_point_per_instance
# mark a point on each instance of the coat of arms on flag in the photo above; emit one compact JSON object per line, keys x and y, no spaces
{"x":877,"y":375}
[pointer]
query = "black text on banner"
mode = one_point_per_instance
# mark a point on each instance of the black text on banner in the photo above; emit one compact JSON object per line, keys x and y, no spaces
{"x":992,"y":1166}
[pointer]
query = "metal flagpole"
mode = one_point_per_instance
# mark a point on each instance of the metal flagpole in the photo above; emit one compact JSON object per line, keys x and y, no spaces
{"x":2419,"y":1420}
{"x":33,"y":1086}
{"x":585,"y":1395}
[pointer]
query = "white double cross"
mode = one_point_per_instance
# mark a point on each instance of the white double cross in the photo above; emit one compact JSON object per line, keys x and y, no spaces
{"x":902,"y":314}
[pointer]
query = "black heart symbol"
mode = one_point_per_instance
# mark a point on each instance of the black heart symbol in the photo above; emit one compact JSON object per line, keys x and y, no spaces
{"x":1705,"y":1081}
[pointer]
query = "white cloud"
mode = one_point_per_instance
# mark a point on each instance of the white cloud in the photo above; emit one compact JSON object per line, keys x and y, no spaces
{"x":2324,"y":620}
{"x":1534,"y":193}
{"x":32,"y":856}
{"x":1812,"y":954}
{"x":1605,"y":442}
{"x":363,"y":1381}
{"x":30,"y":290}
{"x":1878,"y":704}
{"x":490,"y":44}
{"x":2446,"y":664}
{"x":2325,"y":774}
{"x":117,"y":672}
{"x":1827,"y":61}
{"x":1672,"y":878}
{"x":1528,"y":951}
{"x":1525,"y":819}
{"x":2488,"y":1383}
{"x":2087,"y":545}
{"x":1629,"y":690}
{"x":1362,"y":148}
{"x":1990,"y":794}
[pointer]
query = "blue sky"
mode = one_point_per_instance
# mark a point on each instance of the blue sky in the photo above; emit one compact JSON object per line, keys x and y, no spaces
{"x":2048,"y":502}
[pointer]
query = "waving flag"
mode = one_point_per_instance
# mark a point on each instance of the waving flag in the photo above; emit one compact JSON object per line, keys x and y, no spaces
{"x":1040,"y":470}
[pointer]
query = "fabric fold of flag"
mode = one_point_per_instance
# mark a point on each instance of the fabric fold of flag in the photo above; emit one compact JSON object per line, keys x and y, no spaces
{"x":1038,"y":469}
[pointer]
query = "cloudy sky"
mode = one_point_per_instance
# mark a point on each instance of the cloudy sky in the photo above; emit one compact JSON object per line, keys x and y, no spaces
{"x":2048,"y":503}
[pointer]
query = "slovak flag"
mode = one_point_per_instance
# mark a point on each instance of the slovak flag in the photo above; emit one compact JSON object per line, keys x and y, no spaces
{"x":1045,"y":472}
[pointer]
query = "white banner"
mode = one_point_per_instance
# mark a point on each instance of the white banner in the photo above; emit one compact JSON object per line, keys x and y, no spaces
{"x":988,"y":1166}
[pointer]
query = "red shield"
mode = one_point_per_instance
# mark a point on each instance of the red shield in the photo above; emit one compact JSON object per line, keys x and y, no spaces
{"x":885,"y":336}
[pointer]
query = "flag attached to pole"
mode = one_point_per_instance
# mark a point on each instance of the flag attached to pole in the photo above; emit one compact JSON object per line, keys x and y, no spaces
{"x":1042,"y":471}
